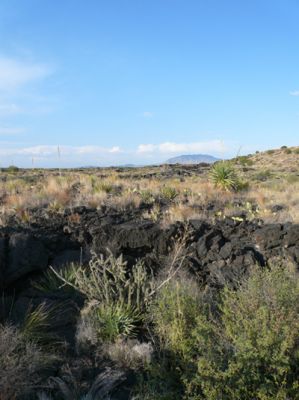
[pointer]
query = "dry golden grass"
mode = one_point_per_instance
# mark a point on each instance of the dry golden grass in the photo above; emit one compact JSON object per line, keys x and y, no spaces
{"x":280,"y":160}
{"x":126,"y":201}
{"x":185,"y":192}
{"x":180,"y":212}
{"x":282,"y":194}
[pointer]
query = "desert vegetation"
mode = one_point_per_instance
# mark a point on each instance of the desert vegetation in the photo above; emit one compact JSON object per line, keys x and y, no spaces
{"x":178,"y":339}
{"x":263,"y":185}
{"x":156,"y":283}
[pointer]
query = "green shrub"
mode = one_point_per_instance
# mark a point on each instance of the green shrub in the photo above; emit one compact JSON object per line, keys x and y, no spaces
{"x":160,"y":381}
{"x":296,"y":151}
{"x":244,"y":161}
{"x":173,"y":315}
{"x":172,"y":318}
{"x":12,"y":169}
{"x":270,"y":152}
{"x":147,"y":196}
{"x":224,"y":176}
{"x":252,"y":352}
{"x":243,"y":346}
{"x":263,"y":175}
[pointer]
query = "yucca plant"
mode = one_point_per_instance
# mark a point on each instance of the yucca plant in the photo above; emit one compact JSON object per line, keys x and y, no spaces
{"x":147,"y":196}
{"x":106,"y":323}
{"x":50,"y":282}
{"x":224,"y":176}
{"x":117,"y":321}
{"x":101,"y":388}
{"x":101,"y":186}
{"x":169,"y":193}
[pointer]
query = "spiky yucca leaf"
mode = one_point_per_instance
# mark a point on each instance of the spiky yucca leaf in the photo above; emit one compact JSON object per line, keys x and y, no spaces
{"x":224,"y":176}
{"x":169,"y":193}
{"x":50,"y":282}
{"x":37,"y":323}
{"x":103,"y":385}
{"x":115,"y":321}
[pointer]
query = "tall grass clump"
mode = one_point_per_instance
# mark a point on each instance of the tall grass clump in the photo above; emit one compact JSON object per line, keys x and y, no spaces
{"x":115,"y":297}
{"x":169,"y":193}
{"x":38,"y":322}
{"x":108,"y":280}
{"x":21,"y":363}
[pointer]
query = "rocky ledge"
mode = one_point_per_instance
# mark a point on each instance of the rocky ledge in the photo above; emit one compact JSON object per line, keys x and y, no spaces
{"x":216,"y":252}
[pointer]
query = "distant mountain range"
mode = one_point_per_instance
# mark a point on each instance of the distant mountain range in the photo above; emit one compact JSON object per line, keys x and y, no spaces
{"x":192,"y":159}
{"x":183,"y":159}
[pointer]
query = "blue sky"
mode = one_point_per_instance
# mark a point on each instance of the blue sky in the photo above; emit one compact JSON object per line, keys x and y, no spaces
{"x":139,"y":81}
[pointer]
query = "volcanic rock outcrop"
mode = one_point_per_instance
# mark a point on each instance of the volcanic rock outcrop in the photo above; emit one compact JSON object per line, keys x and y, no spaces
{"x":217,"y":252}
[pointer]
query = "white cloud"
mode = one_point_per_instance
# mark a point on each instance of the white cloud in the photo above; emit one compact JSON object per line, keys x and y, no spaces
{"x":147,"y":114}
{"x":53,"y":155}
{"x":59,"y":151}
{"x":294,"y":93}
{"x":93,"y":149}
{"x":35,"y":151}
{"x":15,"y":73}
{"x":146,"y":148}
{"x":115,"y":149}
{"x":83,"y":149}
{"x":172,"y":147}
